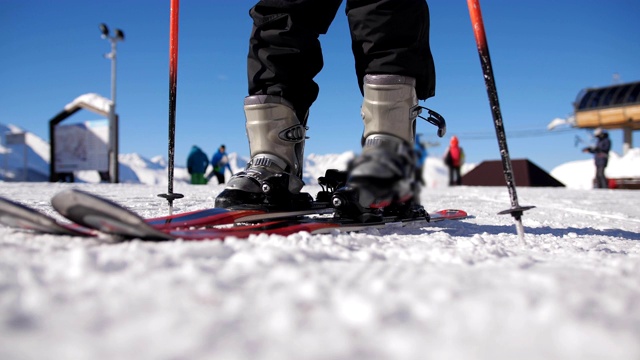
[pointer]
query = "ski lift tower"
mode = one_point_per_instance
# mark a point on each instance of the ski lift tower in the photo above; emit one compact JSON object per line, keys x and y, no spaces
{"x":113,"y":118}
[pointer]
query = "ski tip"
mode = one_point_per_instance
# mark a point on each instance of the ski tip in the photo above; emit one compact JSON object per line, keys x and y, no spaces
{"x":65,"y":200}
{"x":104,"y":215}
{"x":61,"y":200}
{"x":78,"y":205}
{"x":452,"y":213}
{"x":16,"y":215}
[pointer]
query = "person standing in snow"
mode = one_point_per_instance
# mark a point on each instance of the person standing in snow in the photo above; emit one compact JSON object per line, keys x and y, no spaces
{"x":197,"y":163}
{"x":600,"y":153}
{"x":421,"y":157}
{"x":394,"y":69}
{"x":219,"y":162}
{"x":454,"y":159}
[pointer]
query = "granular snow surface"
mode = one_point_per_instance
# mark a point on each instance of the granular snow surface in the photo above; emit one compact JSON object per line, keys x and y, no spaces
{"x":464,"y":289}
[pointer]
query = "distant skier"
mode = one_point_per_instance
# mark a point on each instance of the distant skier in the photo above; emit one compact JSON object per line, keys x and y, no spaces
{"x":197,"y":163}
{"x":220,"y":162}
{"x":600,"y":153}
{"x":454,"y":159}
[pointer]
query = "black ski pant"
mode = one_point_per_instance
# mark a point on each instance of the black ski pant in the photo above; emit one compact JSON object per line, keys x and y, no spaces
{"x":388,"y":37}
{"x":601,"y":180}
{"x":454,"y":176}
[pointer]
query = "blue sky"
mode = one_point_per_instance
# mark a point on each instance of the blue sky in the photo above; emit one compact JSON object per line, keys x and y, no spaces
{"x":543,"y":53}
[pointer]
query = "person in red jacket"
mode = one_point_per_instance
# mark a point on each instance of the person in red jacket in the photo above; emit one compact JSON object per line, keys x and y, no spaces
{"x":454,"y":159}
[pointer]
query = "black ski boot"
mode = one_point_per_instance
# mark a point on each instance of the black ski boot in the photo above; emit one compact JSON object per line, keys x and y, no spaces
{"x":272,"y":179}
{"x":381,"y":180}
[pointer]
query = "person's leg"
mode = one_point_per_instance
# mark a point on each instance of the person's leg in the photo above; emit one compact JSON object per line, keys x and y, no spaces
{"x":284,"y":57}
{"x":451,"y":176}
{"x":601,"y":180}
{"x":392,"y":37}
{"x":390,"y":43}
{"x":220,"y":177}
{"x":284,"y":49}
{"x":419,"y":176}
{"x":195,"y":179}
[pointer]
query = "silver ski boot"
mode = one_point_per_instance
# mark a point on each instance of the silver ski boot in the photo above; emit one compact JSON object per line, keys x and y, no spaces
{"x":272,"y":179}
{"x":381,"y":180}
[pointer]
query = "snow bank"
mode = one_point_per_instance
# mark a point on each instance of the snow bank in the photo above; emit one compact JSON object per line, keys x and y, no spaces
{"x":580,"y":174}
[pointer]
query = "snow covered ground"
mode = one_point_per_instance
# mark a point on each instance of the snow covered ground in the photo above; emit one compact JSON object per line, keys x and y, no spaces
{"x":455,"y":290}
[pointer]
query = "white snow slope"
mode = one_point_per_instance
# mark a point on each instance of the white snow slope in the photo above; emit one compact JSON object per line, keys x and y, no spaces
{"x":454,"y":290}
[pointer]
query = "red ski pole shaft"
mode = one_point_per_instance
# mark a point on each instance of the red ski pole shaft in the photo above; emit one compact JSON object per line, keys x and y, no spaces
{"x":478,"y":25}
{"x":173,"y":56}
{"x":173,"y":91}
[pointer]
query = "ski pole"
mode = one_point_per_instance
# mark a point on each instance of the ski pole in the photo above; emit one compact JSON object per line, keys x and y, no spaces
{"x":485,"y":61}
{"x":173,"y":89}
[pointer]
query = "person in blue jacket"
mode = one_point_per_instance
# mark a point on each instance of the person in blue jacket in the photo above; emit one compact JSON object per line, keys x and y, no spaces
{"x":197,"y":163}
{"x":600,"y":153}
{"x":220,"y":162}
{"x":421,"y":157}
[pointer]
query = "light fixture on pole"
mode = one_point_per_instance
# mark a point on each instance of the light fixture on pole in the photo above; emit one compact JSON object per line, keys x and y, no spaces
{"x":113,"y":121}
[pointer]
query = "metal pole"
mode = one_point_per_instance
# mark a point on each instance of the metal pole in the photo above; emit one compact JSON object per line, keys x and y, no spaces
{"x":113,"y":127}
{"x":5,"y":151}
{"x":24,"y":158}
{"x":113,"y":118}
{"x":627,"y":140}
{"x":173,"y":90}
{"x":485,"y":61}
{"x":113,"y":72}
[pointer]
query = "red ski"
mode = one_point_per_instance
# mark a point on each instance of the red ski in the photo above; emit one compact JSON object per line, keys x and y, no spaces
{"x":92,"y":215}
{"x":20,"y":216}
{"x":108,"y":217}
{"x":310,"y":225}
